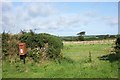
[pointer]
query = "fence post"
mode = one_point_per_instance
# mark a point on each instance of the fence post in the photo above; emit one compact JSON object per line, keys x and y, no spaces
{"x":90,"y":57}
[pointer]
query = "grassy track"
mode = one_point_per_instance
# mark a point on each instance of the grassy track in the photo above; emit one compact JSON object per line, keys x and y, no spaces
{"x":79,"y":68}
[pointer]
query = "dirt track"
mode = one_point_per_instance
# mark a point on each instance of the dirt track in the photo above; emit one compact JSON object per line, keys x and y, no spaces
{"x":90,"y":42}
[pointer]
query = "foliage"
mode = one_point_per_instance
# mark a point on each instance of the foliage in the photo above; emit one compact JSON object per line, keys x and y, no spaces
{"x":81,"y":35}
{"x":69,"y":38}
{"x":88,"y":37}
{"x":53,"y":47}
{"x":35,"y":54}
{"x":117,"y":45}
{"x":49,"y":46}
{"x":32,"y":40}
{"x":5,"y":38}
{"x":81,"y":38}
{"x":9,"y":45}
{"x":75,"y":65}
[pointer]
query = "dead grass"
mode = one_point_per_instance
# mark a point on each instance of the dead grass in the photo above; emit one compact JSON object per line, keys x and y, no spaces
{"x":90,"y":42}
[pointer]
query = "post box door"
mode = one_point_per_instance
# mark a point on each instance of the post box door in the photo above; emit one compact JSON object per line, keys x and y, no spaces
{"x":22,"y":48}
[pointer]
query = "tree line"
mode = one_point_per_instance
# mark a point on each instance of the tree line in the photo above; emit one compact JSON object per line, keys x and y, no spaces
{"x":82,"y":37}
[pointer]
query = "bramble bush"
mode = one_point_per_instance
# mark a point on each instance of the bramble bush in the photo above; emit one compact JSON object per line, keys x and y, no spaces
{"x":39,"y":46}
{"x":50,"y":51}
{"x":54,"y":47}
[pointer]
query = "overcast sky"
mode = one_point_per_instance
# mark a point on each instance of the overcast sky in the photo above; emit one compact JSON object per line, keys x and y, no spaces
{"x":61,"y":18}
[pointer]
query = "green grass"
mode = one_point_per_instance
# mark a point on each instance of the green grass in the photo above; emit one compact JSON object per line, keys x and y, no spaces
{"x":79,"y":68}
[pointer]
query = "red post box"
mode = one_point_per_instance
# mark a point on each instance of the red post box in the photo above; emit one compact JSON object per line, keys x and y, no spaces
{"x":22,"y":48}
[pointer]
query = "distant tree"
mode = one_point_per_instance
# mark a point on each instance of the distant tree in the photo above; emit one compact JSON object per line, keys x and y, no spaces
{"x":81,"y":35}
{"x":112,"y":36}
{"x":106,"y":36}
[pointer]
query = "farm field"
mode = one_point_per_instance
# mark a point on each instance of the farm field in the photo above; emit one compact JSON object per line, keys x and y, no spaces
{"x":76,"y":65}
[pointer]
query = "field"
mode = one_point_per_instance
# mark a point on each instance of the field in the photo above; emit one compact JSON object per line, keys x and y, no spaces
{"x":78,"y":63}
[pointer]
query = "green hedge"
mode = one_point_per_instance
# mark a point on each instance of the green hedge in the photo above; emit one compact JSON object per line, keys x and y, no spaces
{"x":9,"y":46}
{"x":39,"y":40}
{"x":35,"y":44}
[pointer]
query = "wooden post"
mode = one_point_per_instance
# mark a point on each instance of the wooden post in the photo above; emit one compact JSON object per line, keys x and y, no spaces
{"x":90,"y":59}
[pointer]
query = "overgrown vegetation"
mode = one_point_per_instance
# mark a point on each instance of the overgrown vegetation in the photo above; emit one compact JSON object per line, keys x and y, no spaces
{"x":76,"y":64}
{"x":46,"y":59}
{"x":117,"y":50}
{"x":117,"y":46}
{"x":9,"y":46}
{"x":81,"y":36}
{"x":40,"y":46}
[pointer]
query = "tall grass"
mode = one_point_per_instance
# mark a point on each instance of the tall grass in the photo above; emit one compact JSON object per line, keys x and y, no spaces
{"x":75,"y":64}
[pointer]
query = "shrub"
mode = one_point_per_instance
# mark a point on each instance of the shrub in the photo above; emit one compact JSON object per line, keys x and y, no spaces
{"x":81,"y":38}
{"x":54,"y":47}
{"x":41,"y":45}
{"x":5,"y":38}
{"x":35,"y":55}
{"x":31,"y":40}
{"x":9,"y":46}
{"x":54,"y":44}
{"x":117,"y":50}
{"x":117,"y":46}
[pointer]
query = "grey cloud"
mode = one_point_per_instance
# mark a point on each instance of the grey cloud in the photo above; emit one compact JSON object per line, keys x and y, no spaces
{"x":45,"y":18}
{"x":25,"y":16}
{"x":38,"y":15}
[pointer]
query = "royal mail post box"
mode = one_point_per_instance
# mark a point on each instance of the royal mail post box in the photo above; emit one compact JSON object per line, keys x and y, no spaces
{"x":22,"y":48}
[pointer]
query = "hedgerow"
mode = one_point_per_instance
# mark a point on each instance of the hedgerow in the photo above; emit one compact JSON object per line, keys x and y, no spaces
{"x":39,"y":46}
{"x":50,"y":44}
{"x":9,"y":46}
